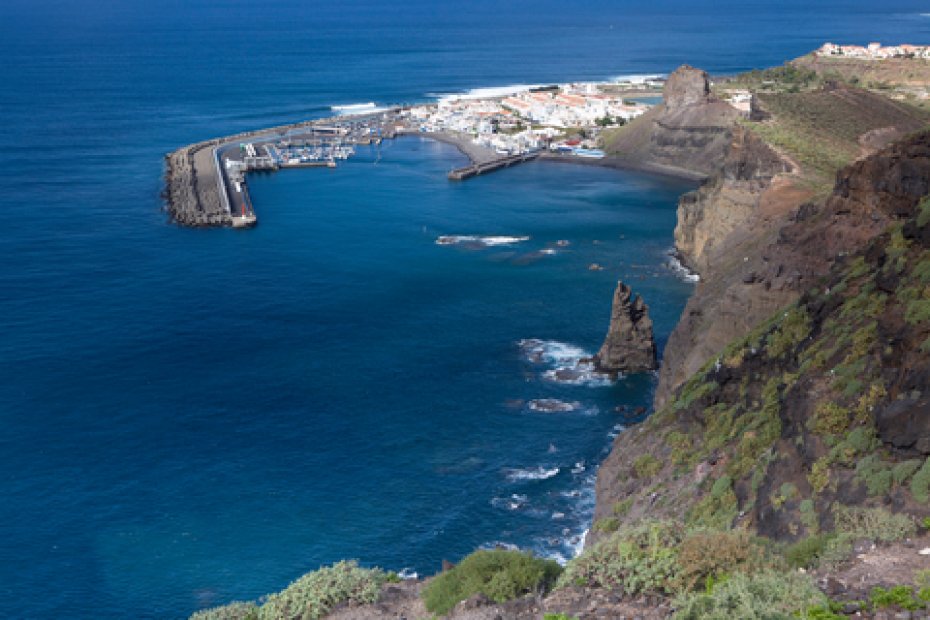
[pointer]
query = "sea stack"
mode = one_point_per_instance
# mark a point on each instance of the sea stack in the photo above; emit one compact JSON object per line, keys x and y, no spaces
{"x":629,"y":345}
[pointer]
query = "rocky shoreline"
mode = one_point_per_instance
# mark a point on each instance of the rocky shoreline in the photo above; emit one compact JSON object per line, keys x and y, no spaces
{"x":790,"y":437}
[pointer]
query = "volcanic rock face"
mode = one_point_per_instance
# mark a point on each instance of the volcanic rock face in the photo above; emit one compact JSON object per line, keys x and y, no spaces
{"x":687,"y":135}
{"x":686,"y":86}
{"x":629,"y":346}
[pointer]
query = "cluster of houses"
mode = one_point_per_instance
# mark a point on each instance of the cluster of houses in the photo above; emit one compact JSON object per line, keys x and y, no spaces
{"x":874,"y":51}
{"x":526,"y":120}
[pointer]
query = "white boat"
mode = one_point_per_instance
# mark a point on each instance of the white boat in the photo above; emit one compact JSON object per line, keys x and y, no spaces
{"x":592,"y":153}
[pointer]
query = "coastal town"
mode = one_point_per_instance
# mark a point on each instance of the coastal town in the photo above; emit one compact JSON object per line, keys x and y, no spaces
{"x":565,"y":118}
{"x":874,"y":51}
{"x":206,"y":182}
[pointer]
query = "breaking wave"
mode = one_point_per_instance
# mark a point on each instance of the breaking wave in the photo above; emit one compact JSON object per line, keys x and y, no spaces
{"x":479,"y":240}
{"x":680,"y":270}
{"x":531,"y":473}
{"x":569,"y":364}
{"x":553,"y":405}
{"x":358,"y":108}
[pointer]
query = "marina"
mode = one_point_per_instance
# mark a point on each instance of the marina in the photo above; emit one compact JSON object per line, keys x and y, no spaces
{"x":206,"y":182}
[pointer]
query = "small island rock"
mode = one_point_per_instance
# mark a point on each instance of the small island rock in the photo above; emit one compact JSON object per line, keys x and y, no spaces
{"x":629,"y":345}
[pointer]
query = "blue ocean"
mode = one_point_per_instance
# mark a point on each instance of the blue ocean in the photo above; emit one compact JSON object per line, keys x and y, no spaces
{"x":192,"y":417}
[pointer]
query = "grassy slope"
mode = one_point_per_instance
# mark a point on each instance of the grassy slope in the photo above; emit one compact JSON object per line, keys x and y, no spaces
{"x":820,"y":129}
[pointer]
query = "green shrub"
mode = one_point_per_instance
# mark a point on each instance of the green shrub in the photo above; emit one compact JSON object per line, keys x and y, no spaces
{"x":786,"y":493}
{"x":623,"y":507}
{"x":315,"y":594}
{"x":693,"y":391}
{"x":794,"y":327}
{"x":873,"y":523}
{"x":763,"y":596}
{"x":862,"y":440}
{"x":233,"y":611}
{"x":819,"y":477}
{"x":898,"y":596}
{"x":829,"y":419}
{"x":806,"y":553}
{"x":923,"y":216}
{"x":607,"y":525}
{"x":718,"y":508}
{"x":712,"y":555}
{"x":920,"y":483}
{"x":901,"y":472}
{"x":809,"y":516}
{"x":824,"y":612}
{"x":559,"y":617}
{"x":641,"y":558}
{"x":838,"y":551}
{"x":646,"y":466}
{"x":876,"y":475}
{"x":917,"y":311}
{"x":498,"y":574}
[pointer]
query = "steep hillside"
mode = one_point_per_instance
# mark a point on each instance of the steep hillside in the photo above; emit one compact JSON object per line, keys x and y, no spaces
{"x":688,"y":134}
{"x":730,"y":229}
{"x":822,"y":410}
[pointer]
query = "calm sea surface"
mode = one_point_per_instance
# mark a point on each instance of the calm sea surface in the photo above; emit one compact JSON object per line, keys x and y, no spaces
{"x":195,"y":416}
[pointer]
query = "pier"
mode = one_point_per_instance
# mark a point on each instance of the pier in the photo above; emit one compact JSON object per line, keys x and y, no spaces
{"x":206,"y":183}
{"x":466,"y":172}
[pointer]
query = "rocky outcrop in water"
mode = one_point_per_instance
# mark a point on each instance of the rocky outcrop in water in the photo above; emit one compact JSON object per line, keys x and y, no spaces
{"x":629,"y":346}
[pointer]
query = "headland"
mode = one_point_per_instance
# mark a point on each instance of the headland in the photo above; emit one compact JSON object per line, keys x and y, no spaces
{"x":785,"y":469}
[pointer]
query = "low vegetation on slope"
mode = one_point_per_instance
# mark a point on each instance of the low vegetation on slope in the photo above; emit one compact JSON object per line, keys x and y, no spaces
{"x":311,"y":597}
{"x":499,"y":575}
{"x":821,"y":130}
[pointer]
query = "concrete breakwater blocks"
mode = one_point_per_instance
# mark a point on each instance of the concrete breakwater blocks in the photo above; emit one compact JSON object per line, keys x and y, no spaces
{"x":192,"y":189}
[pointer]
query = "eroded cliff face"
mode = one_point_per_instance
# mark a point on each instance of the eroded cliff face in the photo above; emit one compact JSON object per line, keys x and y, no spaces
{"x":743,"y":231}
{"x":846,"y":365}
{"x":688,"y":134}
{"x":727,"y":201}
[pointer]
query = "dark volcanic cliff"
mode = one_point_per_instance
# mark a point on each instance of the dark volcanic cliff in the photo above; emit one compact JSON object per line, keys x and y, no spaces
{"x":688,"y":134}
{"x":822,"y":408}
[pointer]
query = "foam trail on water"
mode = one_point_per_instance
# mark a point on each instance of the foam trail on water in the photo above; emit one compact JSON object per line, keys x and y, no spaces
{"x":531,"y":473}
{"x":358,"y":108}
{"x":484,"y":92}
{"x":637,"y":78}
{"x":479,"y":240}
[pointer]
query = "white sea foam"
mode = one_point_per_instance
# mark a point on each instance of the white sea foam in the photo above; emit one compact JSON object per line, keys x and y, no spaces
{"x":637,"y":78}
{"x":531,"y":473}
{"x":499,"y":544}
{"x":569,"y":364}
{"x":582,"y":373}
{"x":553,"y":405}
{"x":486,"y":92}
{"x":680,"y":270}
{"x":479,"y":240}
{"x":358,"y":108}
{"x":408,"y":574}
{"x":514,"y":502}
